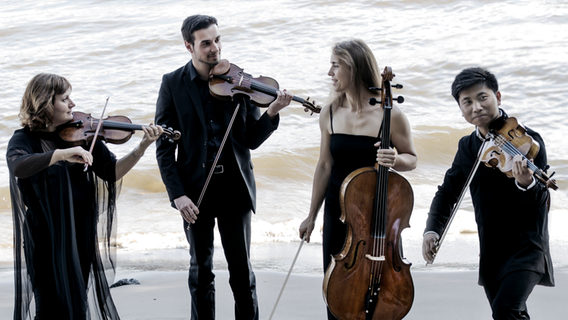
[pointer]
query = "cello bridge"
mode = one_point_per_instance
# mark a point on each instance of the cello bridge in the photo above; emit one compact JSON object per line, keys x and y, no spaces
{"x":372,"y":258}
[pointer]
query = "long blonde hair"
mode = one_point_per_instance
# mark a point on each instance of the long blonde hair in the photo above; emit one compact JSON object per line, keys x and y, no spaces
{"x":36,"y":110}
{"x":364,"y":71}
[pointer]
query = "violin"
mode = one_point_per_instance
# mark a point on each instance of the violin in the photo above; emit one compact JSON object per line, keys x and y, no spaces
{"x":508,"y":139}
{"x":369,"y":279}
{"x":227,"y":79}
{"x":114,"y":129}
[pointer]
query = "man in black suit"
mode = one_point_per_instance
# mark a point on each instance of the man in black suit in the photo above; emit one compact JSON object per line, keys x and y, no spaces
{"x":511,"y":214}
{"x":185,"y":102}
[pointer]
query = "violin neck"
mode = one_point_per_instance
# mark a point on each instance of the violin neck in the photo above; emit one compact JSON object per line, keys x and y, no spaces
{"x":510,"y":149}
{"x":271,"y":91}
{"x":121,"y":125}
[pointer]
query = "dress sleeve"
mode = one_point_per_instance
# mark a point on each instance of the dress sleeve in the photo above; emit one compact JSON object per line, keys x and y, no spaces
{"x":22,"y":161}
{"x":104,"y":162}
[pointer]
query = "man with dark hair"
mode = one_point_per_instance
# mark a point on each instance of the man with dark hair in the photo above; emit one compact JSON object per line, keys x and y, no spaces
{"x":185,"y":102}
{"x":511,"y":214}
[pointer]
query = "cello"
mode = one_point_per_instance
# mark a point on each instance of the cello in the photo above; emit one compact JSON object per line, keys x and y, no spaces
{"x":369,"y":279}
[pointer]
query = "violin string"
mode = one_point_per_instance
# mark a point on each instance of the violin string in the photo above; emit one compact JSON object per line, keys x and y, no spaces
{"x":508,"y":147}
{"x":249,"y":81}
{"x":512,"y":151}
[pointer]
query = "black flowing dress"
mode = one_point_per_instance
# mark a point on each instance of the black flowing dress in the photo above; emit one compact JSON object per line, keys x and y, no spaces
{"x":60,"y":213}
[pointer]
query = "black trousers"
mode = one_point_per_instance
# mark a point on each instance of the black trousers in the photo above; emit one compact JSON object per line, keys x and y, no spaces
{"x":508,"y":297}
{"x":227,"y":201}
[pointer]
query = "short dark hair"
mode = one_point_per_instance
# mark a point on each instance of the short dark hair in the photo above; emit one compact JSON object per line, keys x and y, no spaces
{"x":471,"y":77}
{"x":194,"y":23}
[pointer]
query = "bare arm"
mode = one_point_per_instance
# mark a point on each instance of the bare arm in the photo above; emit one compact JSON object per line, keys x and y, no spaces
{"x":124,"y":164}
{"x":321,"y":177}
{"x":404,"y":158}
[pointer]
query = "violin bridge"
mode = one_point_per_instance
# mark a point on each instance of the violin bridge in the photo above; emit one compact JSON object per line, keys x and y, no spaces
{"x":370,"y":257}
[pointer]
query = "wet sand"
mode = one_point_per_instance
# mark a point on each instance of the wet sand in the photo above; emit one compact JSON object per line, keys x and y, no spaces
{"x":438,"y":295}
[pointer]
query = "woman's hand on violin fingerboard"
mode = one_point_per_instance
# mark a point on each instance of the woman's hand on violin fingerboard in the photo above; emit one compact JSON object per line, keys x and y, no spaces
{"x":283,"y":100}
{"x":75,"y":154}
{"x":151,"y":134}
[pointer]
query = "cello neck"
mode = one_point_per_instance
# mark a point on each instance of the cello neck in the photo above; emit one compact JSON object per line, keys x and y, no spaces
{"x":381,"y":196}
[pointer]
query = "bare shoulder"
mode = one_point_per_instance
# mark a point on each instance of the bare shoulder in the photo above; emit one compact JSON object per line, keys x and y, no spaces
{"x":324,"y":116}
{"x":398,"y":116}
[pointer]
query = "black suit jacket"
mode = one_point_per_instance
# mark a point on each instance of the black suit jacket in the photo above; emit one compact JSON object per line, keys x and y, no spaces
{"x":512,"y":223}
{"x":179,"y":106}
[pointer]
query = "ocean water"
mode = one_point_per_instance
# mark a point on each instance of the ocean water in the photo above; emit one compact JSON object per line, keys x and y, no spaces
{"x":121,"y":49}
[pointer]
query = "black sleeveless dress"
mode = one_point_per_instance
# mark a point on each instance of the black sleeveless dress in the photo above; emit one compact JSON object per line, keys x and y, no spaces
{"x":349,"y":153}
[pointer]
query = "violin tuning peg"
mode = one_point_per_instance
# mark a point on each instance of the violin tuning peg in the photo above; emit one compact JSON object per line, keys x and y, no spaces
{"x":397,"y":86}
{"x":170,"y":140}
{"x":400,"y":99}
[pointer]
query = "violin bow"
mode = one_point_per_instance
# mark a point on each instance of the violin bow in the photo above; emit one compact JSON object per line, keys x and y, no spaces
{"x":96,"y":133}
{"x":458,"y":203}
{"x":217,"y":158}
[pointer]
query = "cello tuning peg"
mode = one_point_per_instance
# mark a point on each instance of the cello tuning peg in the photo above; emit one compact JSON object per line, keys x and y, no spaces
{"x":373,"y":101}
{"x":400,"y":99}
{"x":397,"y":86}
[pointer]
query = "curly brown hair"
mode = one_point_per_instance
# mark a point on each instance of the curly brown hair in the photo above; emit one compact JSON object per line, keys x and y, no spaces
{"x":36,"y":111}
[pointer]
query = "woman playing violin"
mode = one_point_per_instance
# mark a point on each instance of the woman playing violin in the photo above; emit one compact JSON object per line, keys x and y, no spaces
{"x":511,"y":214}
{"x":57,"y":206}
{"x":350,"y":128}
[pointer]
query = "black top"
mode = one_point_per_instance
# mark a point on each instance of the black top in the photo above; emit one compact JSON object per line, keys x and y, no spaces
{"x":512,"y":223}
{"x":349,"y":153}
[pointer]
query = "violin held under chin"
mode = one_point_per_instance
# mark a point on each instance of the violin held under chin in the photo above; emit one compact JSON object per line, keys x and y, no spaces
{"x":227,"y":79}
{"x":508,"y":139}
{"x":115,"y":129}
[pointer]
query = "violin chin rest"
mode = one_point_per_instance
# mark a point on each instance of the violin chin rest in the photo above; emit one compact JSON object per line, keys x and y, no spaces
{"x":221,"y":68}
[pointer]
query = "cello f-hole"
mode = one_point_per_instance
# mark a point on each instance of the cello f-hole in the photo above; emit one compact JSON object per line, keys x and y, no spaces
{"x":347,"y":266}
{"x":394,"y":267}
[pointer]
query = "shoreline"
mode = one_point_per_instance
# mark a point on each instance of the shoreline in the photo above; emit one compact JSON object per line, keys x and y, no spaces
{"x":438,"y":295}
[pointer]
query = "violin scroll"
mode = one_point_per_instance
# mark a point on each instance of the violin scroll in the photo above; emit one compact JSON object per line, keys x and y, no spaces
{"x":170,"y":134}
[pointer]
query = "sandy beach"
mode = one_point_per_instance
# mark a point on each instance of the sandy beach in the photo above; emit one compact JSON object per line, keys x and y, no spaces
{"x":439,"y":295}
